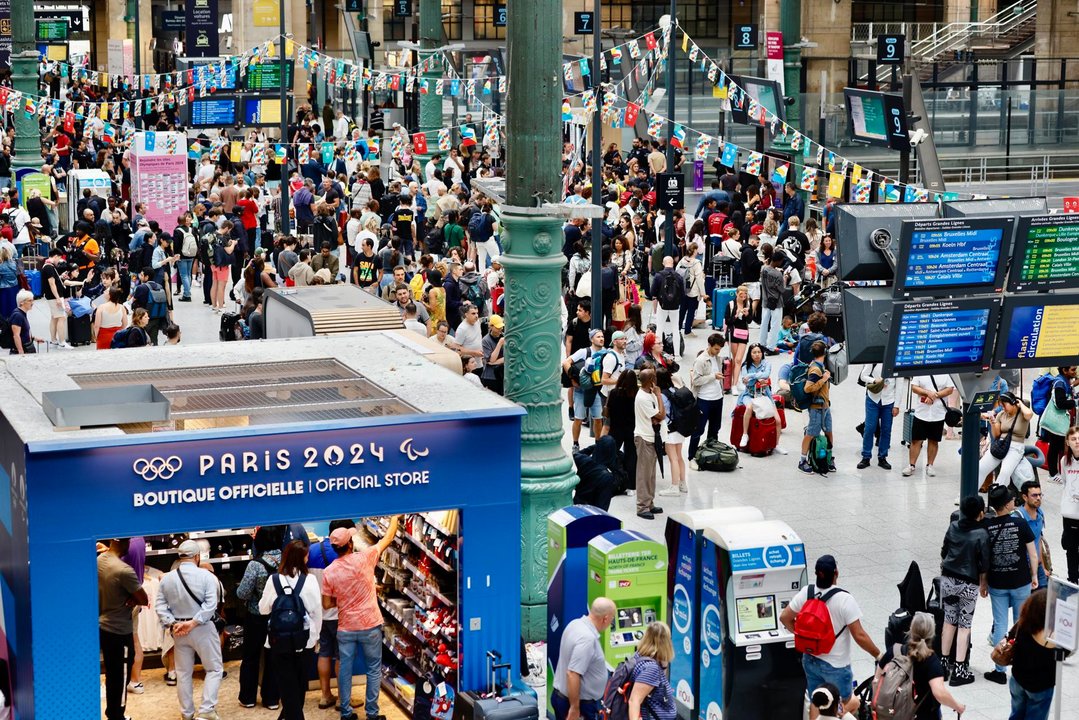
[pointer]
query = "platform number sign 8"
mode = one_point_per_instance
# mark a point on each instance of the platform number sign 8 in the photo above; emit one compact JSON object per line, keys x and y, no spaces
{"x":583,"y":23}
{"x":890,"y":49}
{"x":500,"y":16}
{"x":745,"y":37}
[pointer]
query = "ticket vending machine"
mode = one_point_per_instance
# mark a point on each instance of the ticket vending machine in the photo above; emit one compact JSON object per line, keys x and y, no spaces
{"x":748,"y":665}
{"x":631,"y":569}
{"x":685,"y":538}
{"x":568,"y":532}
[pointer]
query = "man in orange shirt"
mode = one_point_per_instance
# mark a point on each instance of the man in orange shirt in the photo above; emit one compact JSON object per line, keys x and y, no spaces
{"x":86,"y":252}
{"x":349,"y":584}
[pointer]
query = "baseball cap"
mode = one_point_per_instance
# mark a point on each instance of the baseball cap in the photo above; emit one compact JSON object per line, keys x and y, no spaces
{"x":341,"y":537}
{"x":826,"y":566}
{"x":496,"y":321}
{"x":189,"y":549}
{"x":618,"y":335}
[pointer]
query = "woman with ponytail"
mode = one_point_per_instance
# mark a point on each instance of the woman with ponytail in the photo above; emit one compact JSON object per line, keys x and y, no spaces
{"x":930,"y":691}
{"x":826,"y":702}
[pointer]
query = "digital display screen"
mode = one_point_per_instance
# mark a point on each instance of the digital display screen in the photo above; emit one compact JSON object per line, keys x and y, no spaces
{"x":258,"y":111}
{"x":213,"y":112}
{"x":223,"y":82}
{"x":877,"y":118}
{"x":630,"y":618}
{"x":1038,"y":332}
{"x":867,"y":118}
{"x":941,"y":336}
{"x":1046,"y":253}
{"x":267,"y":76}
{"x":52,"y":30}
{"x":756,"y":614}
{"x":954,"y":256}
{"x":765,"y":92}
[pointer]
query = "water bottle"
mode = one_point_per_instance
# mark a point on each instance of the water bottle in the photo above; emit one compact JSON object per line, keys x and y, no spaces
{"x":715,"y":497}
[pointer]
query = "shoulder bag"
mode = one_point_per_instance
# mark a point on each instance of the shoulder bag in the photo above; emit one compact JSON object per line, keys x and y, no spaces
{"x":999,"y":446}
{"x":1003,"y":653}
{"x":908,"y":420}
{"x":952,"y":416}
{"x":219,"y":616}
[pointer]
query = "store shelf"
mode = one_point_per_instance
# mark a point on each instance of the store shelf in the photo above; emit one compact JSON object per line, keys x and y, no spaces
{"x":391,"y":689}
{"x":409,"y":662}
{"x":427,"y":551}
{"x":408,"y":628}
{"x":232,"y":558}
{"x":220,"y":533}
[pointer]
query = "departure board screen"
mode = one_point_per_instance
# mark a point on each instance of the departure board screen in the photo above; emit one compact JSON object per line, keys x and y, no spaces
{"x":941,"y":336}
{"x":213,"y":112}
{"x":1038,"y":332}
{"x":1046,"y":253}
{"x":952,"y":257}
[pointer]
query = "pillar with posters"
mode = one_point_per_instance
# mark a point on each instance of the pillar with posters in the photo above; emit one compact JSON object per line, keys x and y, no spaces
{"x":159,"y":176}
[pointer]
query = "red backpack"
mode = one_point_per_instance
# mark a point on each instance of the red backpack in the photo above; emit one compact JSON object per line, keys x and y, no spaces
{"x":813,"y":629}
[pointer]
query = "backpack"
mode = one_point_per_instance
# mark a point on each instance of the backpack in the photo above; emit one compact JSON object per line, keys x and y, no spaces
{"x":287,"y":627}
{"x":717,"y":456}
{"x":472,"y":291}
{"x":820,"y":456}
{"x":156,"y":301}
{"x":1042,"y":391}
{"x":797,"y":380}
{"x":7,"y":334}
{"x":591,"y":373}
{"x":477,"y":227}
{"x":615,"y":702}
{"x":190,"y":246}
{"x":813,"y":630}
{"x":670,"y":291}
{"x":802,"y":352}
{"x":119,"y":340}
{"x":893,"y":693}
{"x":684,"y":411}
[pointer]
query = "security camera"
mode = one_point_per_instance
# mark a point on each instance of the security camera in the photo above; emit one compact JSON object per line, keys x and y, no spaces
{"x":917,"y":137}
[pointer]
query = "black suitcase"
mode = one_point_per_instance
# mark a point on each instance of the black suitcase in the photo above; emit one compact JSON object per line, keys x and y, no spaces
{"x":79,"y":330}
{"x":231,"y":327}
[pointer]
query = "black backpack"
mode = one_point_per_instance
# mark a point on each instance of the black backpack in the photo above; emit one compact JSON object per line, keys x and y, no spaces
{"x":670,"y":290}
{"x":287,"y":631}
{"x":684,"y":411}
{"x":615,"y":703}
{"x":7,"y":334}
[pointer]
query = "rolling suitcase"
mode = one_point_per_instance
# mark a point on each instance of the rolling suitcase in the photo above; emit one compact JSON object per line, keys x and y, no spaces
{"x":500,"y":702}
{"x":79,"y":330}
{"x":728,"y":374}
{"x":33,"y":277}
{"x":720,"y":299}
{"x":762,"y":433}
{"x":778,"y":400}
{"x":231,"y":327}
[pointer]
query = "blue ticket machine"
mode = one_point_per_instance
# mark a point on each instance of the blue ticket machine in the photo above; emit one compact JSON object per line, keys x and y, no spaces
{"x":568,"y":533}
{"x":685,"y":538}
{"x":749,"y":668}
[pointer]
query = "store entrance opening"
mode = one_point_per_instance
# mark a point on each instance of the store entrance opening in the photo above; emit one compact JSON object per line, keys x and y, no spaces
{"x":415,"y":591}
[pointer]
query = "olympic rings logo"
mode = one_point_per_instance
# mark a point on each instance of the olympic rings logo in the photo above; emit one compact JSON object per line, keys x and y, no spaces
{"x":157,"y":468}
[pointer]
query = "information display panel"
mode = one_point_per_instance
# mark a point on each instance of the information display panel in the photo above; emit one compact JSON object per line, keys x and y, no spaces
{"x":1038,"y":331}
{"x":756,"y":614}
{"x":213,"y":112}
{"x":941,"y":336}
{"x":1046,"y":254}
{"x":959,"y":256}
{"x":877,"y":118}
{"x":764,"y":91}
{"x":262,"y":111}
{"x":267,"y":76}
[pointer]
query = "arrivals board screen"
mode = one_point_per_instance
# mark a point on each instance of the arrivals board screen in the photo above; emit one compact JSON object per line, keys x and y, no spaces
{"x":957,"y":256}
{"x":267,"y":76}
{"x":941,"y":336}
{"x":1038,"y":331}
{"x":213,"y":112}
{"x":1046,"y":253}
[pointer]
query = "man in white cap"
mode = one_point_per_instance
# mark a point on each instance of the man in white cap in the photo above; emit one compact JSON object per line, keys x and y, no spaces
{"x":186,"y":604}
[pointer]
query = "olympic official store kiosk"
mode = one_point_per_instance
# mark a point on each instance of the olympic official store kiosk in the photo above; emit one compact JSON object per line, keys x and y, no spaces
{"x":749,"y":668}
{"x":258,"y":433}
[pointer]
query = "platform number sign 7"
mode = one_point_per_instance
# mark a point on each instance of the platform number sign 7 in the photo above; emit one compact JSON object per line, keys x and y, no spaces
{"x":500,"y":16}
{"x":583,"y":23}
{"x":745,"y":37}
{"x":890,"y":49}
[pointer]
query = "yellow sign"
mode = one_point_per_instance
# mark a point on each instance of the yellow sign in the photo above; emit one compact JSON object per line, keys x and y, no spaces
{"x":234,"y":151}
{"x":835,"y":185}
{"x":266,"y":13}
{"x":270,"y":112}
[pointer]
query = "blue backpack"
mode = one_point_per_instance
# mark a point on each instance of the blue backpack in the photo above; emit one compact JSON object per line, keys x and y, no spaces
{"x":797,"y":380}
{"x":1041,"y":392}
{"x":156,"y":301}
{"x":286,"y":630}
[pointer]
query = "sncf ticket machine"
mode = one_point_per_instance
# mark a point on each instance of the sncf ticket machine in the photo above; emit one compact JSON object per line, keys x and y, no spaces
{"x":568,"y":533}
{"x":685,"y":538}
{"x":749,"y":668}
{"x":631,"y":569}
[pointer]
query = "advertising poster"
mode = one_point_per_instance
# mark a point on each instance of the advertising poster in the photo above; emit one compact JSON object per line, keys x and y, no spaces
{"x":5,"y":33}
{"x":712,"y":634}
{"x":202,"y":38}
{"x":34,"y":181}
{"x":773,"y":46}
{"x":683,"y":629}
{"x":159,"y":176}
{"x":14,"y":580}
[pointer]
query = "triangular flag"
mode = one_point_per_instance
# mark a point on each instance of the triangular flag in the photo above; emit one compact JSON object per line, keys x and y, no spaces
{"x":809,"y":179}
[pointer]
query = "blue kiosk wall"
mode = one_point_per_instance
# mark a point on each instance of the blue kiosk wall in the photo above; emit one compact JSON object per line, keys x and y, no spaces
{"x":72,"y":494}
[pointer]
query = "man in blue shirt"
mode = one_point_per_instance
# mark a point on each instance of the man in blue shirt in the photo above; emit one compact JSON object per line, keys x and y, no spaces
{"x":793,"y":206}
{"x":1031,"y":511}
{"x":302,"y":201}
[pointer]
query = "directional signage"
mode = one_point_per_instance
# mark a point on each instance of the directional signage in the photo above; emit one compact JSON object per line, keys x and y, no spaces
{"x":74,"y":18}
{"x":173,"y":20}
{"x":500,"y":15}
{"x":54,"y":30}
{"x":583,"y":23}
{"x":890,"y":49}
{"x":745,"y":37}
{"x":402,"y":8}
{"x":671,"y":191}
{"x":353,"y":5}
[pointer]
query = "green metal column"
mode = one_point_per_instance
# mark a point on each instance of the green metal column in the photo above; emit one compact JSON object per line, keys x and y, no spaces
{"x":533,"y":259}
{"x":430,"y":120}
{"x":790,"y":24}
{"x":24,"y":60}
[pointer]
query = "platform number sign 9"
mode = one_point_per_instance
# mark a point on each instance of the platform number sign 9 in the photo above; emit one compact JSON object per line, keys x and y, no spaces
{"x":890,"y":49}
{"x":745,"y":37}
{"x":500,"y":15}
{"x":584,"y":23}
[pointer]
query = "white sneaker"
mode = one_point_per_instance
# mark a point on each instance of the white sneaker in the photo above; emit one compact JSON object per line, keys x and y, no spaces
{"x":672,"y":491}
{"x":956,"y":501}
{"x":683,"y":488}
{"x":781,"y":451}
{"x":744,"y":441}
{"x":929,"y":471}
{"x":1056,"y":480}
{"x":908,"y":471}
{"x":693,"y":465}
{"x":136,"y":688}
{"x":631,"y":493}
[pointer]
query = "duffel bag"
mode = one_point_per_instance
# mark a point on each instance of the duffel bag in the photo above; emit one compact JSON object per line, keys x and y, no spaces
{"x":717,"y":456}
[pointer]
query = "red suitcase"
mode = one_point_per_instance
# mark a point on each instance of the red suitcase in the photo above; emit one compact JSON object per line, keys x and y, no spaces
{"x":762,"y":433}
{"x":778,"y":399}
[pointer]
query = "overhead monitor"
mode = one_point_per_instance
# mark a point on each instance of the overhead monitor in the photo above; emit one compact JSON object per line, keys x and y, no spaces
{"x":1038,"y":331}
{"x":267,"y":76}
{"x":261,"y":111}
{"x":756,"y":614}
{"x":862,"y":231}
{"x":1016,"y":207}
{"x":867,"y":318}
{"x":213,"y":112}
{"x":941,"y":336}
{"x":961,"y":256}
{"x":877,"y":118}
{"x":1046,"y":255}
{"x":766,"y":92}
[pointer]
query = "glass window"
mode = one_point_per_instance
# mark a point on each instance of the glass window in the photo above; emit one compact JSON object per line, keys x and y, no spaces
{"x":451,"y":19}
{"x":483,"y":23}
{"x":393,"y":27}
{"x":700,"y":18}
{"x":921,"y":11}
